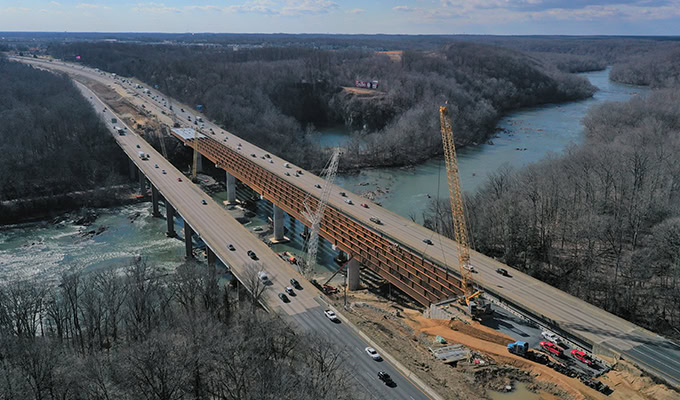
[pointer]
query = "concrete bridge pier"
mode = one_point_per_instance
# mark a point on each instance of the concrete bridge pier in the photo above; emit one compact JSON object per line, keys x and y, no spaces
{"x":212,"y":258}
{"x":188,"y":243}
{"x":133,"y":169}
{"x":353,"y":281}
{"x":142,"y":183}
{"x":279,"y":221}
{"x":154,"y":201}
{"x":170,"y":216}
{"x":199,"y":163}
{"x":231,"y":188}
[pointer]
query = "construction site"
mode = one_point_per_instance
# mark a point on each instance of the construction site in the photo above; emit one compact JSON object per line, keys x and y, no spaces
{"x":473,"y":345}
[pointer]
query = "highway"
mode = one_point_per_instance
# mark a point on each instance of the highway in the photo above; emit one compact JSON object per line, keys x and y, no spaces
{"x":605,"y":333}
{"x":218,"y":229}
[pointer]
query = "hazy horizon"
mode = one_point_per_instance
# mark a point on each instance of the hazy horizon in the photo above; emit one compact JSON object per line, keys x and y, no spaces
{"x":412,"y":17}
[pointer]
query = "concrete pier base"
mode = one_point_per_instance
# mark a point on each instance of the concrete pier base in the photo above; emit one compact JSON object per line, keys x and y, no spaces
{"x":353,"y":281}
{"x":133,"y":169}
{"x":188,"y":243}
{"x":142,"y":183}
{"x":278,"y":221}
{"x":154,"y":201}
{"x":212,"y":258}
{"x":231,"y":188}
{"x":170,"y":217}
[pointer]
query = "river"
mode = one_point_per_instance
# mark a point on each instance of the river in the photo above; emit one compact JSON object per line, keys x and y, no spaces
{"x":527,"y":136}
{"x":41,"y":250}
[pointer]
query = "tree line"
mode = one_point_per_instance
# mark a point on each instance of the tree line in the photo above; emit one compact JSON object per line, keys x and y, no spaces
{"x":135,"y":332}
{"x":51,"y":140}
{"x":276,"y":96}
{"x":658,"y":68}
{"x":601,"y":222}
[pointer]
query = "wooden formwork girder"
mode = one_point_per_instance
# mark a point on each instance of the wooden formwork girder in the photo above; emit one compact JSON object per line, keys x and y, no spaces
{"x":401,"y":266}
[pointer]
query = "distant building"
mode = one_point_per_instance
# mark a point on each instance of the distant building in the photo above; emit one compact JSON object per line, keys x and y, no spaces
{"x":366,"y":84}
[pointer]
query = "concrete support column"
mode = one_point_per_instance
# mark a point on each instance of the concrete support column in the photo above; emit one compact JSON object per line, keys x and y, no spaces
{"x":188,"y":243}
{"x":142,"y":183}
{"x":199,"y":163}
{"x":353,"y":282}
{"x":133,"y":169}
{"x":170,"y":216}
{"x":154,"y":201}
{"x":212,"y":258}
{"x":278,"y":223}
{"x":231,"y":188}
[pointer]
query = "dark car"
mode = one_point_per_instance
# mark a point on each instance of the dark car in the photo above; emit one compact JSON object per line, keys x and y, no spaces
{"x":317,"y":186}
{"x":290,"y":290}
{"x":283,"y":298}
{"x":428,"y":241}
{"x":385,"y":377}
{"x":231,"y":247}
{"x":205,"y":203}
{"x":503,"y":271}
{"x":252,"y":254}
{"x":295,"y":284}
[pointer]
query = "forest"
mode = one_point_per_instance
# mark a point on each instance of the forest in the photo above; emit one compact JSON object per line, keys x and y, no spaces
{"x":51,"y":140}
{"x":276,"y":96}
{"x":601,"y":222}
{"x":136,"y":332}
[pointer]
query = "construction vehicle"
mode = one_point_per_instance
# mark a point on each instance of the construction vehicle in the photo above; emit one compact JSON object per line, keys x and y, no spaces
{"x":521,"y":349}
{"x":478,"y":308}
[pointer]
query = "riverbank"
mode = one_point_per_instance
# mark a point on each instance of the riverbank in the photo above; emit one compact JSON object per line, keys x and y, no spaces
{"x":47,"y":207}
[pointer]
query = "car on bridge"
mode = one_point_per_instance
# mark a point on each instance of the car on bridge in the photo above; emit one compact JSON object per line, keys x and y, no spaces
{"x":348,"y":201}
{"x":317,"y":186}
{"x":375,"y":220}
{"x":231,"y":247}
{"x":331,"y":315}
{"x":385,"y":377}
{"x":373,"y":353}
{"x":205,"y":203}
{"x":284,"y":298}
{"x":290,"y":290}
{"x":428,"y":241}
{"x":503,"y":271}
{"x":295,"y":284}
{"x":179,"y":179}
{"x":252,"y":254}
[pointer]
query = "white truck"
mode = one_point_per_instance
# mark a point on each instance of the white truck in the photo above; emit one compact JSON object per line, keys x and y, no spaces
{"x":143,"y":155}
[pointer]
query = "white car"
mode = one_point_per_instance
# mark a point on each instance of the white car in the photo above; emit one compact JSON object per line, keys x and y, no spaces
{"x":374,"y":354}
{"x":551,"y":337}
{"x":331,"y":315}
{"x":470,"y":268}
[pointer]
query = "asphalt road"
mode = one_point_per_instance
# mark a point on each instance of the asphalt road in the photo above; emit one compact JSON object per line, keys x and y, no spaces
{"x":218,"y":229}
{"x":602,"y":330}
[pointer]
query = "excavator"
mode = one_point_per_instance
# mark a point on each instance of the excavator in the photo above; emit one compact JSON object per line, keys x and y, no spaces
{"x":477,"y":308}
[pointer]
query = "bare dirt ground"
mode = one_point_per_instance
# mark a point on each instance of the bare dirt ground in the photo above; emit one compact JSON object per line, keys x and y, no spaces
{"x":394,"y":55}
{"x":362,"y":91}
{"x":406,"y":334}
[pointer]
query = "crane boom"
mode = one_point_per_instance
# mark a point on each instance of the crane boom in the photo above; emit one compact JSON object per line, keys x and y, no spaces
{"x":315,"y":216}
{"x":456,"y":199}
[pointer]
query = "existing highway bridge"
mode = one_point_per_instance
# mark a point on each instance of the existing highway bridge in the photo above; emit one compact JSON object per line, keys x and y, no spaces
{"x":395,"y":248}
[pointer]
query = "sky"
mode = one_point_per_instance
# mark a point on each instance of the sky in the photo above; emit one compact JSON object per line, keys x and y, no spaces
{"x":505,"y":17}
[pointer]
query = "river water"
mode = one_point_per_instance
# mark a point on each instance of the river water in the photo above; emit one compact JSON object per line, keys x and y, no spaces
{"x":42,"y":250}
{"x":527,"y":136}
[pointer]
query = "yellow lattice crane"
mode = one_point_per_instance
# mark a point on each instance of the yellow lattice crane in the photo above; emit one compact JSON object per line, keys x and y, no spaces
{"x":457,"y":208}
